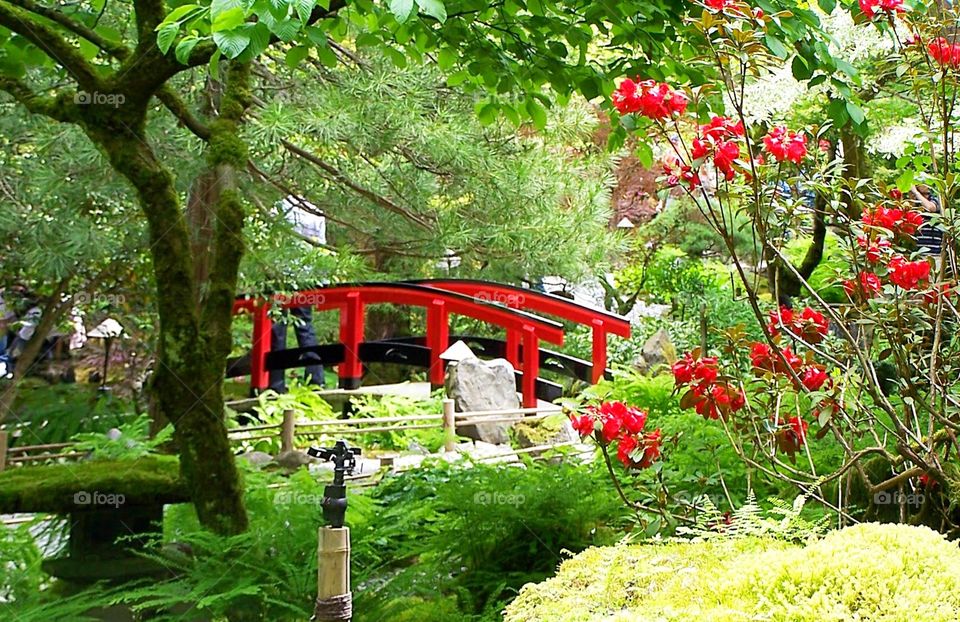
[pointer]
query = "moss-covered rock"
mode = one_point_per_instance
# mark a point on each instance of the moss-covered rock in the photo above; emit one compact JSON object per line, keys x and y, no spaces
{"x":870,"y":572}
{"x":51,"y":488}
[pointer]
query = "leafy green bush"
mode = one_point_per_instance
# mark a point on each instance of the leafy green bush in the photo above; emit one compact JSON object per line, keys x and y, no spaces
{"x":477,"y":534}
{"x":865,"y":573}
{"x":374,"y":406}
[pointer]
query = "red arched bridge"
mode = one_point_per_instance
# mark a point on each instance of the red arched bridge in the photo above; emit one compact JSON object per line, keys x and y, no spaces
{"x":512,"y":308}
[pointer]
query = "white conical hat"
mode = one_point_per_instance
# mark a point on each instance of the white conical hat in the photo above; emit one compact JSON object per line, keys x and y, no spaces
{"x":106,"y":329}
{"x":457,"y":352}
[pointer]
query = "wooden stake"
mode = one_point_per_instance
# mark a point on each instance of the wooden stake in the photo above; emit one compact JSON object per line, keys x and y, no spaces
{"x":3,"y":450}
{"x":286,"y":431}
{"x":449,"y":426}
{"x":334,"y":600}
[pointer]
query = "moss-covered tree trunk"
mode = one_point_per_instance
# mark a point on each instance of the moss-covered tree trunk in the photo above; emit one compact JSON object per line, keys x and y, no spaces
{"x":192,"y":343}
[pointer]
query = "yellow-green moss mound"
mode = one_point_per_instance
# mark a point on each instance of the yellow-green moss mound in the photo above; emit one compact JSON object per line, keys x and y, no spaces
{"x":866,"y":573}
{"x":51,"y":488}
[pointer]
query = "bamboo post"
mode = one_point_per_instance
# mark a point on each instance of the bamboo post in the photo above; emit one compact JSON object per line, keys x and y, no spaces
{"x":287,"y":430}
{"x":334,"y":599}
{"x":704,"y":329}
{"x":3,"y":450}
{"x":449,"y":426}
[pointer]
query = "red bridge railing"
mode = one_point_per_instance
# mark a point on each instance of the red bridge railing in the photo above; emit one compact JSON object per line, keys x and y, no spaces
{"x":501,"y":305}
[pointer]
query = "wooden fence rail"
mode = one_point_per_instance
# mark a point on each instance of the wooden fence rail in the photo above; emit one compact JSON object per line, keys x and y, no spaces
{"x":289,"y":429}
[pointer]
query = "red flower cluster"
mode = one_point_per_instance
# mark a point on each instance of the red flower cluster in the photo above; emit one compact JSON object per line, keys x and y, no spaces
{"x":784,"y":145}
{"x":902,"y":222}
{"x":871,"y":8}
{"x":654,"y":100}
{"x":873,"y":249}
{"x":909,"y":274}
{"x":946,"y":290}
{"x":866,"y":286}
{"x":710,"y":398}
{"x":719,"y":139}
{"x":809,"y":325}
{"x":720,"y":5}
{"x":763,"y":358}
{"x":617,"y":422}
{"x":792,"y":436}
{"x":677,"y":171}
{"x":944,"y":52}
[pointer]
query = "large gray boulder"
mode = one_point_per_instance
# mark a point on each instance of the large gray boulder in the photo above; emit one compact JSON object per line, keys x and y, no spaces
{"x":657,"y":351}
{"x":476,"y":385}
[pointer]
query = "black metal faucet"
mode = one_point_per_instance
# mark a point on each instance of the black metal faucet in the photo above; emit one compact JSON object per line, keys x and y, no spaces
{"x":344,"y":460}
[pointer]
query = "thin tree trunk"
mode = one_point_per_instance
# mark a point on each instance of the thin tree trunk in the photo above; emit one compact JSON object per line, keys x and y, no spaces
{"x":52,"y":312}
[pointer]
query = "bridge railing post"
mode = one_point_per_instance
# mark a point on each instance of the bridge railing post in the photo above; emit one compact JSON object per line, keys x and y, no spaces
{"x":3,"y":449}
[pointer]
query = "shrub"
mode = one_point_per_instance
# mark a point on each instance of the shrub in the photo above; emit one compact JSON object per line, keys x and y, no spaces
{"x":868,"y":572}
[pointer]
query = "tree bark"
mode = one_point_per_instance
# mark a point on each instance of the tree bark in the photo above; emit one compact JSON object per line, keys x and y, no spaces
{"x":188,"y":380}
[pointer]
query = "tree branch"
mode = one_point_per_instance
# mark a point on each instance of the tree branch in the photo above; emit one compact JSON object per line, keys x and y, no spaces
{"x":341,"y":178}
{"x":179,"y":109}
{"x":50,"y":43}
{"x":113,"y":49}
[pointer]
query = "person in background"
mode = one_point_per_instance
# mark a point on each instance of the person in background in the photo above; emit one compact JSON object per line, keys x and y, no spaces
{"x":929,"y":236}
{"x":7,"y":318}
{"x":309,"y":223}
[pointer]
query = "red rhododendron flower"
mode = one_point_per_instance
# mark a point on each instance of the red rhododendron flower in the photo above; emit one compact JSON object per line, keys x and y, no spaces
{"x":786,"y":146}
{"x":812,"y":326}
{"x":809,"y":325}
{"x":932,"y":297}
{"x":583,"y":424}
{"x":895,"y":194}
{"x":726,"y":154}
{"x":677,"y":171}
{"x":866,"y":286}
{"x":813,"y":378}
{"x":909,"y":274}
{"x":721,"y":128}
{"x":778,"y":319}
{"x":874,"y":249}
{"x":651,"y":448}
{"x":648,"y":98}
{"x":871,"y":8}
{"x":683,"y":369}
{"x":793,"y":361}
{"x":625,"y":447}
{"x":719,"y":5}
{"x":762,"y":357}
{"x":793,"y":436}
{"x":610,"y":428}
{"x":898,"y":221}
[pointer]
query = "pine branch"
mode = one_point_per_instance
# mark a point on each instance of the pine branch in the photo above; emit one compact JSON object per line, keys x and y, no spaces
{"x":338,"y":176}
